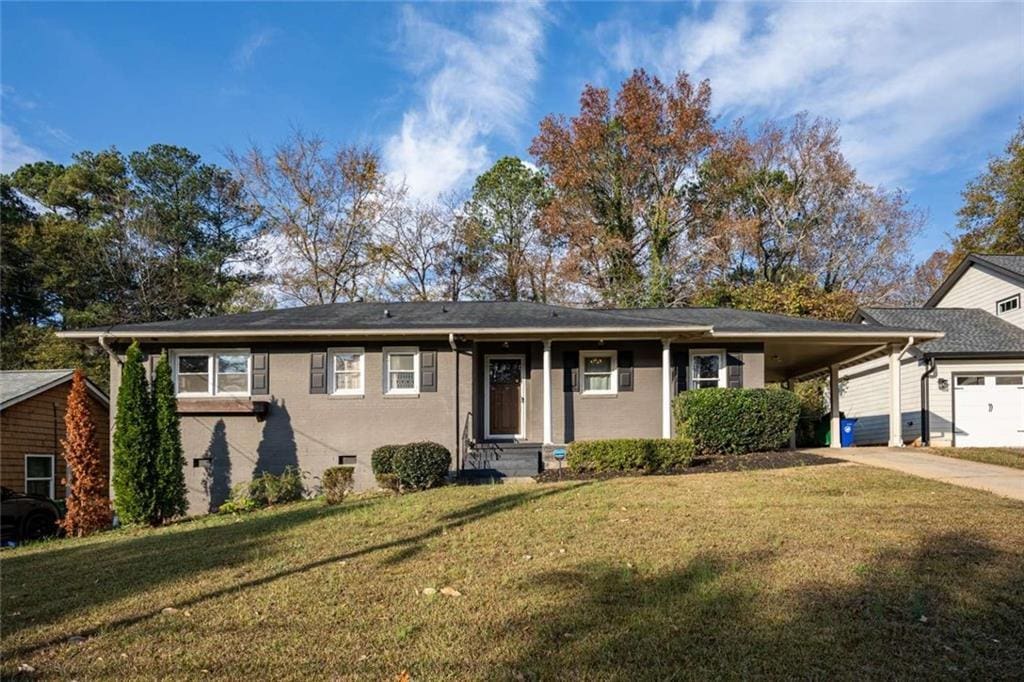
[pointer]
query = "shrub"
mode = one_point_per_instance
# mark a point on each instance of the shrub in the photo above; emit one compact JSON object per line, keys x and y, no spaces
{"x":135,"y":438}
{"x":241,"y":500}
{"x":389,"y":482}
{"x":382,"y":460}
{"x":171,"y":492}
{"x":337,"y":482}
{"x":628,"y":454}
{"x":421,"y":465}
{"x":737,"y":420}
{"x":269,"y":489}
{"x":266,"y":490}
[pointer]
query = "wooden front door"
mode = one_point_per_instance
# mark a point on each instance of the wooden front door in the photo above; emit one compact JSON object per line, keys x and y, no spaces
{"x":504,"y":396}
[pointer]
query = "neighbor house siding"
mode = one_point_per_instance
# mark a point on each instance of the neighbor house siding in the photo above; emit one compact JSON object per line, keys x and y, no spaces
{"x":35,"y":426}
{"x":864,"y":396}
{"x":982,"y":287}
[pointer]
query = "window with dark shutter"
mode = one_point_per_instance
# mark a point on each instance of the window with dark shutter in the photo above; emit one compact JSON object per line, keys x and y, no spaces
{"x":734,"y":370}
{"x":260,"y":373}
{"x":318,"y":373}
{"x":570,"y":372}
{"x":428,"y":371}
{"x":625,"y":370}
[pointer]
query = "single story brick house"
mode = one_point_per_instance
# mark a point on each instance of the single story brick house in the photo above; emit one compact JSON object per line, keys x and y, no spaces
{"x":498,"y":383}
{"x":32,"y":407}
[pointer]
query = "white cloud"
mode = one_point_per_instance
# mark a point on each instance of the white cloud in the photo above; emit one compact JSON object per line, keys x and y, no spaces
{"x":15,"y":152}
{"x":905,"y":79}
{"x":245,"y":54}
{"x":474,"y":84}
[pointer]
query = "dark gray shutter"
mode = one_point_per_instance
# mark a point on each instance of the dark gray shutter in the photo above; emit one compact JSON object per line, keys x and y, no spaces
{"x":626,"y":370}
{"x":318,"y":372}
{"x":570,"y":372}
{"x":260,"y":373}
{"x":681,"y":368}
{"x":428,"y":371}
{"x":734,"y":370}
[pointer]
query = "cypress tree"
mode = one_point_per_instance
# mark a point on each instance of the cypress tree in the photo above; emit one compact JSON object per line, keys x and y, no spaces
{"x":170,"y":458}
{"x":134,"y":444}
{"x":88,"y":509}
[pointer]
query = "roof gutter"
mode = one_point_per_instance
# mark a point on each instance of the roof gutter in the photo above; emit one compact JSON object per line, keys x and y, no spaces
{"x":102,"y":341}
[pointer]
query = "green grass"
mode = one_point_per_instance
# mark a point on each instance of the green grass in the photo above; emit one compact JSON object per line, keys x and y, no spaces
{"x":836,"y":571}
{"x":1007,"y":457}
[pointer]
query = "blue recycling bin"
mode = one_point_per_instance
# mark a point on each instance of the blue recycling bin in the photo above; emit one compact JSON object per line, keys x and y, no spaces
{"x":846,"y":427}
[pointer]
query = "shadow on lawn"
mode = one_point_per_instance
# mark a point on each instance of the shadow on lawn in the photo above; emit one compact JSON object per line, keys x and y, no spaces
{"x":151,"y":560}
{"x":950,"y":607}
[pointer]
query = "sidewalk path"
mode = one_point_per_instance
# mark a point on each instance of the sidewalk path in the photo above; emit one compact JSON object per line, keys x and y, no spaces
{"x":991,"y":477}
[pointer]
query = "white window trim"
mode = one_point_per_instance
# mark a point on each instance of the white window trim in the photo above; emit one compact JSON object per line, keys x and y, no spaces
{"x":334,"y":390}
{"x":53,"y":473}
{"x":613,"y":382}
{"x":386,"y":367}
{"x":211,"y":372}
{"x":700,"y":352}
{"x":1008,"y":299}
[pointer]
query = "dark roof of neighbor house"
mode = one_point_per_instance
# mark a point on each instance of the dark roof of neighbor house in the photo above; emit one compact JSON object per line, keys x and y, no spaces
{"x":969,"y":331}
{"x":18,"y":385}
{"x":467,"y":316}
{"x":1008,"y":265}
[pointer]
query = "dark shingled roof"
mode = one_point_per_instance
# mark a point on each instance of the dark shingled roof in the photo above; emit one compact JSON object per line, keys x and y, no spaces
{"x":726,"y":320}
{"x":1011,"y":263}
{"x":469,"y":315}
{"x":969,"y":331}
{"x":401,"y":316}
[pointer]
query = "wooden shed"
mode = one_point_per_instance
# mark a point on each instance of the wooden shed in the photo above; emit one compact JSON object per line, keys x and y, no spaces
{"x":32,"y":407}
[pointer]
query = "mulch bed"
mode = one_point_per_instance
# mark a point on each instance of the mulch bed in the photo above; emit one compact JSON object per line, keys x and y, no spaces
{"x":701,"y":465}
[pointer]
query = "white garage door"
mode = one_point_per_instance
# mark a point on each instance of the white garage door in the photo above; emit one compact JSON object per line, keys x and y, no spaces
{"x":989,"y":410}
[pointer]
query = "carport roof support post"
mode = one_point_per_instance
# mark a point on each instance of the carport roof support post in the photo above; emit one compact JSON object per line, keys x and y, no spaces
{"x":833,"y":400}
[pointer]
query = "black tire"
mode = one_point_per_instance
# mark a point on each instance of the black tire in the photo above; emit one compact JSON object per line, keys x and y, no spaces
{"x":38,"y":525}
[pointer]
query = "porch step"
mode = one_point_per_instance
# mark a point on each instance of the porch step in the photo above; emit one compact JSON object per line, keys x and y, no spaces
{"x":492,"y":460}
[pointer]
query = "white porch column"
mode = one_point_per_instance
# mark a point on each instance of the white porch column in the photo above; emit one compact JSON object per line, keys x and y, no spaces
{"x":666,"y":388}
{"x":895,"y":401}
{"x":547,"y":392}
{"x":833,"y":399}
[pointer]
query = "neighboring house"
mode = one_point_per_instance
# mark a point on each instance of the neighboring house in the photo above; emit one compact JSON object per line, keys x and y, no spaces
{"x":498,"y":383}
{"x":966,"y":389}
{"x":32,"y":407}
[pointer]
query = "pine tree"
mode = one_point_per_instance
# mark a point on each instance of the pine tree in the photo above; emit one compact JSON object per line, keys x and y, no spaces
{"x":88,"y":509}
{"x":170,"y":458}
{"x":134,"y":444}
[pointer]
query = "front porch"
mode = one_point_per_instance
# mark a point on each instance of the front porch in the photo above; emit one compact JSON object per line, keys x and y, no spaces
{"x":530,"y":396}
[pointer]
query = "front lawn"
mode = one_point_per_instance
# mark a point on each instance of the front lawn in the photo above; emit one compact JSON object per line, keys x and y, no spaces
{"x":833,"y":571}
{"x":1007,"y":457}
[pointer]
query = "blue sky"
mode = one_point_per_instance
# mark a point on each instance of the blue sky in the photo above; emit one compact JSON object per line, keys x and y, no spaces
{"x":925,"y":93}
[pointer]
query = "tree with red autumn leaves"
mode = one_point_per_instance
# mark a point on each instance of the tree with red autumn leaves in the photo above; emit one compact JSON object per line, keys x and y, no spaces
{"x":88,"y":509}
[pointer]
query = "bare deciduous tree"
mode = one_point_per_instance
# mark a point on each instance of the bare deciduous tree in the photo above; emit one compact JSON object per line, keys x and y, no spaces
{"x":320,"y":208}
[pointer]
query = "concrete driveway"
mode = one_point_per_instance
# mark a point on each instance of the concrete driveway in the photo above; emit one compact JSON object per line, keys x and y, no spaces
{"x":995,"y":479}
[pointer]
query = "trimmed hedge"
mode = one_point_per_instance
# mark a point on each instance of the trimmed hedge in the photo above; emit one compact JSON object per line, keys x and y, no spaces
{"x":337,"y":482}
{"x":382,"y":460}
{"x":628,"y":454}
{"x":734,"y":421}
{"x":413,"y":466}
{"x":422,"y":465}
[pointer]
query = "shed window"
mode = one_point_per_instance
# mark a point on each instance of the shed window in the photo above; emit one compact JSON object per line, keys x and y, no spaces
{"x":599,"y":371}
{"x":208,"y":373}
{"x":39,"y":475}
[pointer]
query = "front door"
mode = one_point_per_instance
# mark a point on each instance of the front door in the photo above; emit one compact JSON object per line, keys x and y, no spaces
{"x":505,"y":396}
